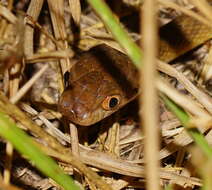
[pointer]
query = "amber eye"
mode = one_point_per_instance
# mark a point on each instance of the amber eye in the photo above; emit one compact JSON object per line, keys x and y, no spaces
{"x":111,"y":102}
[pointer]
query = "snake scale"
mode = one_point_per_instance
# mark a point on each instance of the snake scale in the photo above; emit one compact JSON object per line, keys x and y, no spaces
{"x":103,"y":80}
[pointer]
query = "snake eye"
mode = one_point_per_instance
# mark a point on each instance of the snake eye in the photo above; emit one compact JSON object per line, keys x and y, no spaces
{"x":111,"y":102}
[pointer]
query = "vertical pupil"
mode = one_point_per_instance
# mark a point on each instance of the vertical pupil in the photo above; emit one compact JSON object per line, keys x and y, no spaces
{"x":113,"y":102}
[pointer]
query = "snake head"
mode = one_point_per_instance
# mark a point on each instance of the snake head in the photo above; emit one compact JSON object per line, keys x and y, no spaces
{"x":101,"y":82}
{"x":90,"y":99}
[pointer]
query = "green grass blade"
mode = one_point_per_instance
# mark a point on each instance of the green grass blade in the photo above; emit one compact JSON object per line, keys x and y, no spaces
{"x":133,"y":51}
{"x":24,"y":144}
{"x":197,"y":136}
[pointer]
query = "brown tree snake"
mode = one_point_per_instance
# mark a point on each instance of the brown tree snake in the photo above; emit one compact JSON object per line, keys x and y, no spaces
{"x":104,"y":79}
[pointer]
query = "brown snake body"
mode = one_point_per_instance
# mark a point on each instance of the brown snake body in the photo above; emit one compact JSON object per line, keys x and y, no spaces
{"x":104,"y":79}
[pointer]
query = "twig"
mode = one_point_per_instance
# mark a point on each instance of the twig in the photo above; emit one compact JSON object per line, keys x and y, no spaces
{"x":148,"y":97}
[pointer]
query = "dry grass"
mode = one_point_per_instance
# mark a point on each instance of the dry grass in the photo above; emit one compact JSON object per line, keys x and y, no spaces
{"x":38,"y":45}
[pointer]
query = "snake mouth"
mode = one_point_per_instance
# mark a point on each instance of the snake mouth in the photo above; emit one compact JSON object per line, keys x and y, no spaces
{"x":89,"y":118}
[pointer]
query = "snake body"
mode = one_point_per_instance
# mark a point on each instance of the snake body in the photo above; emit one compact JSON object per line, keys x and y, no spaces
{"x":103,"y":80}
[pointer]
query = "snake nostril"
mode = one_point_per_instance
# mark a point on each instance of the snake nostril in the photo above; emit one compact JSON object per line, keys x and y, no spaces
{"x":65,"y":104}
